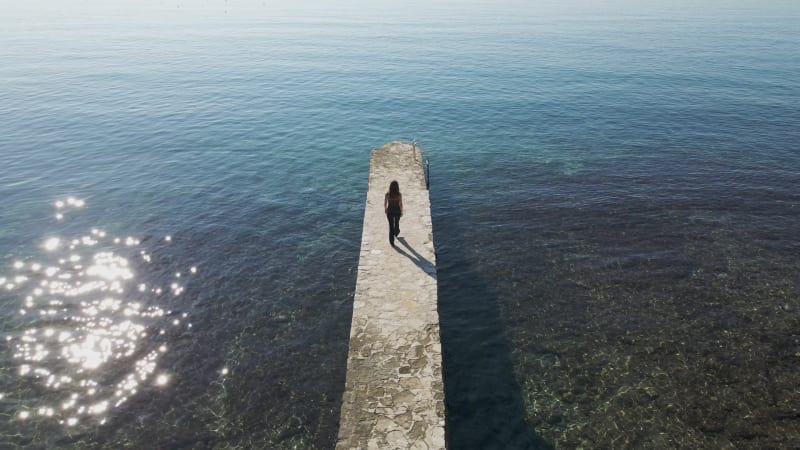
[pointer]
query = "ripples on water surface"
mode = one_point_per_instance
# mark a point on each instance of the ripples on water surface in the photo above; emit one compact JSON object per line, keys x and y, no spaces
{"x":614,"y":202}
{"x":84,"y":325}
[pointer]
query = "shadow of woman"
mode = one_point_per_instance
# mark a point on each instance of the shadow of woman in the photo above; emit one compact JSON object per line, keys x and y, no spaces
{"x":416,"y":258}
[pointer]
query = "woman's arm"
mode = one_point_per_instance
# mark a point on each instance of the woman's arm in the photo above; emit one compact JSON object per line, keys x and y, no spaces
{"x":401,"y":204}
{"x":386,"y":203}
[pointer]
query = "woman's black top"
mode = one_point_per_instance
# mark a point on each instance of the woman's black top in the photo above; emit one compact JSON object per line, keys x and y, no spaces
{"x":394,"y":206}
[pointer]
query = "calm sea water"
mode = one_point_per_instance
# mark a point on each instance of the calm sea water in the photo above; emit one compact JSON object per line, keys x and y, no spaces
{"x":615,"y":210}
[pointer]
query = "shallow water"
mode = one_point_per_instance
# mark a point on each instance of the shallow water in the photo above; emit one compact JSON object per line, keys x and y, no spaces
{"x":613,"y":195}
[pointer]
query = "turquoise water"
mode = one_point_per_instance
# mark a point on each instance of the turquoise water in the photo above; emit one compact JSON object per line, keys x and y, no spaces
{"x":614,"y":205}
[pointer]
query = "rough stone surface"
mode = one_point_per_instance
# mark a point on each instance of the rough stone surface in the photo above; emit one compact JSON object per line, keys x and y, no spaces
{"x":394,"y":392}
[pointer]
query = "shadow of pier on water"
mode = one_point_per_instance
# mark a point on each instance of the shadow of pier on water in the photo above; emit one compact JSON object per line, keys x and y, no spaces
{"x":485,"y":406}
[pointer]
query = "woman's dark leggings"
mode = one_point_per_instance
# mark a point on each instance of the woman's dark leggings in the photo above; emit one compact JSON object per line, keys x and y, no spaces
{"x":394,"y":226}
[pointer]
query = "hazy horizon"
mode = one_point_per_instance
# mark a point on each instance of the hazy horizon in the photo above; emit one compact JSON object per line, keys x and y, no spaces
{"x":508,"y":9}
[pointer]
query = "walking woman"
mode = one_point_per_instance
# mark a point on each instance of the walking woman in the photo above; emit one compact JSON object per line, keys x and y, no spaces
{"x":393,"y":205}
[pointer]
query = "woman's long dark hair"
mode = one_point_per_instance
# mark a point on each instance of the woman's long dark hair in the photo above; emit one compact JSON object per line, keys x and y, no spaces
{"x":394,"y":189}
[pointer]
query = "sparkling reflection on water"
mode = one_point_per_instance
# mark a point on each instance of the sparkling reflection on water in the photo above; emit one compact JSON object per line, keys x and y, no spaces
{"x":92,"y":330}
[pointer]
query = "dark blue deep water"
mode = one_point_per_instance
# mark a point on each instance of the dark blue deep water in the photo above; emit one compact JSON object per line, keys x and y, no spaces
{"x":614,"y":194}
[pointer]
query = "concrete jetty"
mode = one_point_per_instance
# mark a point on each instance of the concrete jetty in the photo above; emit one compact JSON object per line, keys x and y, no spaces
{"x":394,"y":394}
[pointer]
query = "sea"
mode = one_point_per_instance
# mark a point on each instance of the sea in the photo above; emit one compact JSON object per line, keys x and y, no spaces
{"x":615,"y":205}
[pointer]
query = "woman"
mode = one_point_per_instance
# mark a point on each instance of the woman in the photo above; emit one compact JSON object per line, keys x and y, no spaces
{"x":393,"y":205}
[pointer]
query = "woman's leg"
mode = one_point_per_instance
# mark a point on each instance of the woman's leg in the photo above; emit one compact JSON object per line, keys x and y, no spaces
{"x":390,"y":217}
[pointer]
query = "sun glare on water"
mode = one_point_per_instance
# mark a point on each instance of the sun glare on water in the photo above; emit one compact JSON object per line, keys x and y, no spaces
{"x":88,"y":314}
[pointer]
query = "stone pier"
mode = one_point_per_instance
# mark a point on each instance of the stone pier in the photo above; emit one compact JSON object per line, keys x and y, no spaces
{"x":394,"y":395}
